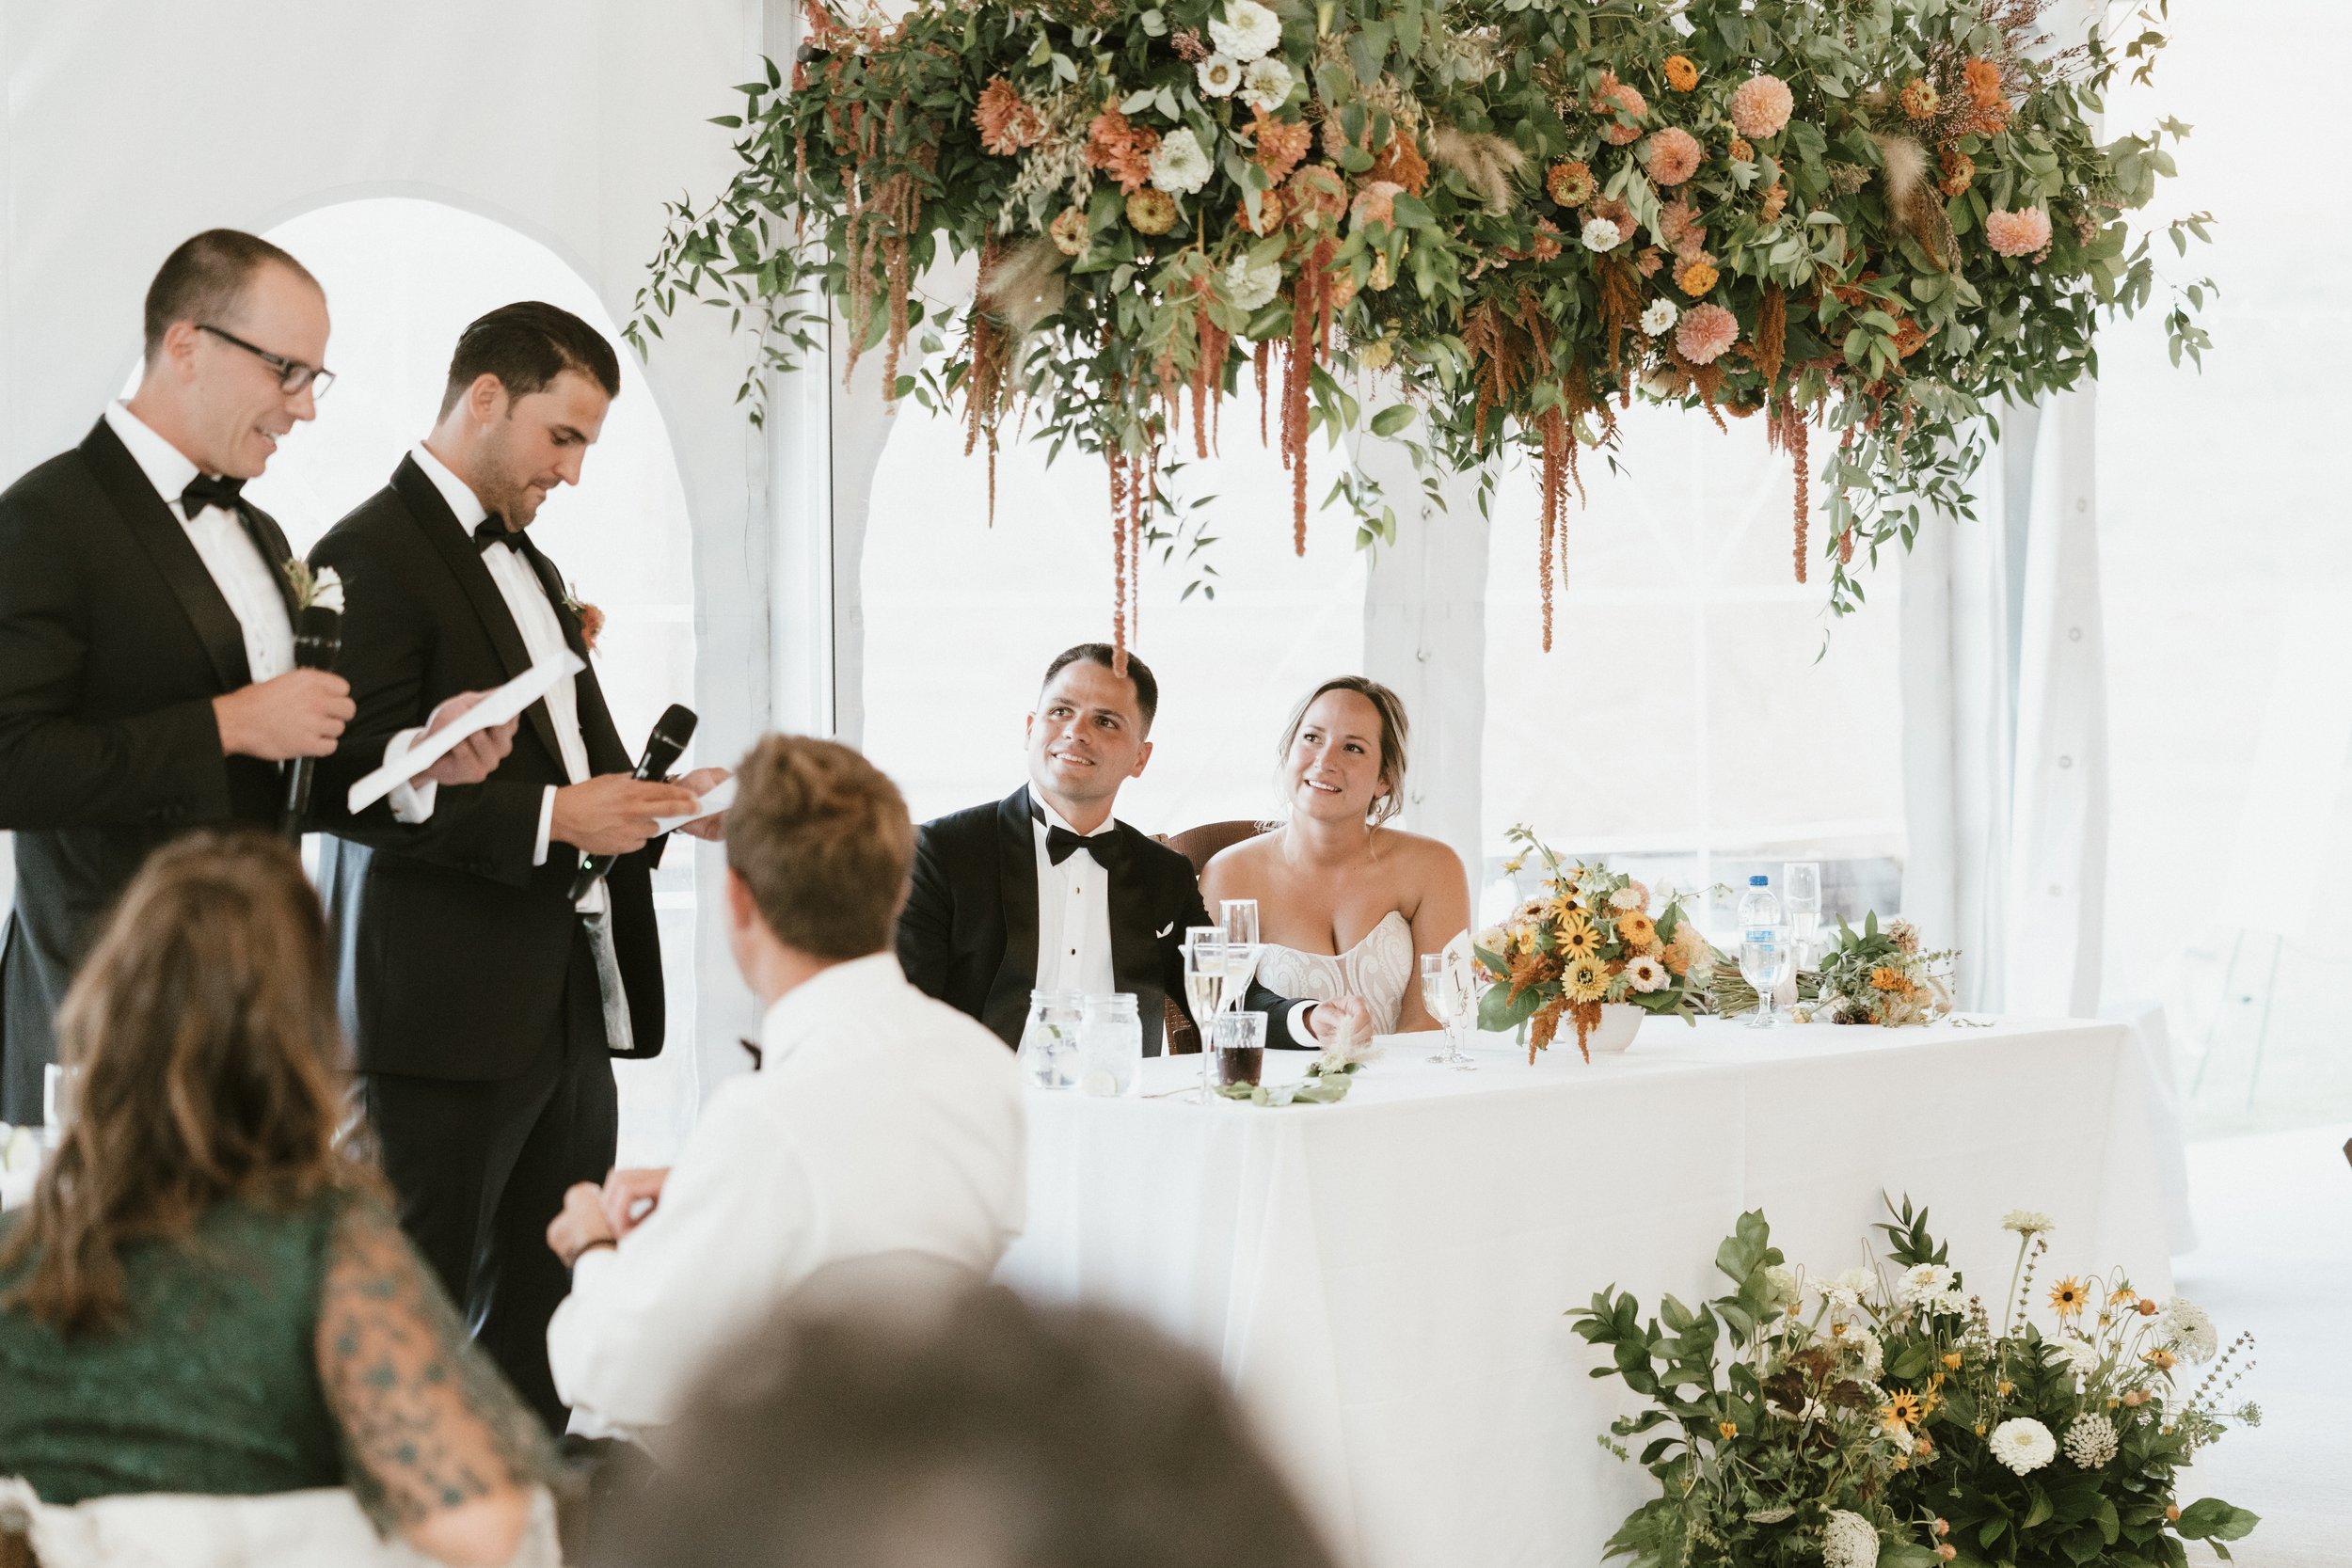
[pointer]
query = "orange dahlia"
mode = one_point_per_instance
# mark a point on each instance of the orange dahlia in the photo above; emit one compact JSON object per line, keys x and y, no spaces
{"x":1682,"y":74}
{"x":1696,"y":276}
{"x":1570,"y":185}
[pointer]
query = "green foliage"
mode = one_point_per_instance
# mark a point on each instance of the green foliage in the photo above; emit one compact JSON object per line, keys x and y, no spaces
{"x":1445,"y":257}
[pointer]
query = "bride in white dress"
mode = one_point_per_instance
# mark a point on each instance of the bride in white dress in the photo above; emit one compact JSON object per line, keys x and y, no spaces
{"x":1345,"y":903}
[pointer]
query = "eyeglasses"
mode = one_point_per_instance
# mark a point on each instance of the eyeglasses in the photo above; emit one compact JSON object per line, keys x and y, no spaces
{"x":293,"y":374}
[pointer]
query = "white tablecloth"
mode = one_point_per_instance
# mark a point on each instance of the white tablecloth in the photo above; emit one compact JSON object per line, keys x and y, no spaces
{"x":1383,"y":1280}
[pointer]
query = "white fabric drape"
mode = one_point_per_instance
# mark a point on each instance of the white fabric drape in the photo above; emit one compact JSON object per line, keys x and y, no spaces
{"x":2005,"y":722}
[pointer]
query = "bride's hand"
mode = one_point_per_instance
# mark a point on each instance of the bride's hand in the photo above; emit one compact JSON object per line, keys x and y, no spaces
{"x":1323,"y":1018}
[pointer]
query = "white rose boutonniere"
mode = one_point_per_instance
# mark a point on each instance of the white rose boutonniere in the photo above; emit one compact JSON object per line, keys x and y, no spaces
{"x":319,"y":589}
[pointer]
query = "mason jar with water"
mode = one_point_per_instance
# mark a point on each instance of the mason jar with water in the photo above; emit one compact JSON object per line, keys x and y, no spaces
{"x":1049,"y":1040}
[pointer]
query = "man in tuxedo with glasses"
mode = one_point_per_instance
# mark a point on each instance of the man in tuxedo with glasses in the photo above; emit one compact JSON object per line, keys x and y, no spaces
{"x":147,"y":677}
{"x":485,"y":996}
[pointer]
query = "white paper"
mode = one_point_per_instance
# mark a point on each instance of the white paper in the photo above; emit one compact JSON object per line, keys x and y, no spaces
{"x":507,"y":702}
{"x":721,"y":796}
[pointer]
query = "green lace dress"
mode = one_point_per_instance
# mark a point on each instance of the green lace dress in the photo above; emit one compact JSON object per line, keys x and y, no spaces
{"x":270,"y":1352}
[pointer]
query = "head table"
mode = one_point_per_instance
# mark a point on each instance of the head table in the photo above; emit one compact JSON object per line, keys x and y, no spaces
{"x":1383,"y":1279}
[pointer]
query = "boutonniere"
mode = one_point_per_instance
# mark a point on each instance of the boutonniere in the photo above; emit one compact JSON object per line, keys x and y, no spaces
{"x":590,"y":619}
{"x":319,"y":589}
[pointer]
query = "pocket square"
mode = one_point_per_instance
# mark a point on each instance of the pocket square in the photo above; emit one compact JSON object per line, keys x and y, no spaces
{"x":1163,"y":930}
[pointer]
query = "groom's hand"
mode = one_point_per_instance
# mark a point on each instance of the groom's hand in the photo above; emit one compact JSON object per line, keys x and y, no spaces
{"x":1325,"y":1017}
{"x":474,"y":758}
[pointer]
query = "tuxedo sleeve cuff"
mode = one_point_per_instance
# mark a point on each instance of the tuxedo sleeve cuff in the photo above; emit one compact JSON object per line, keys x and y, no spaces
{"x":411,"y":803}
{"x":1299,"y":1023}
{"x":546,"y":825}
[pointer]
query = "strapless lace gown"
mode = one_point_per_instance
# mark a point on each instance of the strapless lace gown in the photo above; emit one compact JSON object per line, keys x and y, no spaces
{"x":1378,"y":968}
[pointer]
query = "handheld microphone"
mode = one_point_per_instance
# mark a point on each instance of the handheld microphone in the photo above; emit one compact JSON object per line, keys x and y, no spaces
{"x":318,"y":638}
{"x":671,"y":733}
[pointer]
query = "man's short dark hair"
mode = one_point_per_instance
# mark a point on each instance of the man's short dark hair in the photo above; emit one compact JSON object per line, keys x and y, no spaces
{"x":204,"y":280}
{"x":822,"y":839}
{"x":1147,"y":689}
{"x":983,"y":1430}
{"x":527,"y":345}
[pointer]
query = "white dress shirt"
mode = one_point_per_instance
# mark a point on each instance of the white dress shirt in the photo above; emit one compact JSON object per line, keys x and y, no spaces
{"x":245,"y":580}
{"x":880,"y":1123}
{"x":543,"y":639}
{"x":1074,"y":914}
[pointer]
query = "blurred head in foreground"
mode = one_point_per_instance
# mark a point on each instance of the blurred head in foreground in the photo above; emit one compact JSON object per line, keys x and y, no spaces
{"x":985,"y":1434}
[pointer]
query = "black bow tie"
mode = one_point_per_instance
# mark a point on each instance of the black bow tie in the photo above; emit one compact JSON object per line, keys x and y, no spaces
{"x":207,"y":490}
{"x":493,"y":530}
{"x":1061,"y":844}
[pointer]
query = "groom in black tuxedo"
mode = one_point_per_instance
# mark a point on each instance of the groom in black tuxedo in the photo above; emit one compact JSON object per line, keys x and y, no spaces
{"x":147,"y":676}
{"x":484,"y":999}
{"x":1043,"y":890}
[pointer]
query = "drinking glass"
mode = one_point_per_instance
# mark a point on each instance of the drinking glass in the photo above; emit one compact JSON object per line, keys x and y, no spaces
{"x":1204,"y":985}
{"x":1241,"y":948}
{"x":1110,"y":1045}
{"x":1766,"y":959}
{"x":1445,"y":1003}
{"x":1049,"y":1040}
{"x":1238,"y":1046}
{"x":1800,"y":898}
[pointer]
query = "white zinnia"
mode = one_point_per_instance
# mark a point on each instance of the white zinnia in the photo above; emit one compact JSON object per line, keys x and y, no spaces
{"x":1601,"y":234}
{"x":1660,"y":318}
{"x":326,"y":590}
{"x":2186,"y":1329}
{"x":1646,"y":973}
{"x":1945,"y":1304}
{"x":2090,"y":1442}
{"x":1849,"y":1540}
{"x":1921,"y":1281}
{"x":1219,"y":75}
{"x":1178,"y":164}
{"x":1251,"y":288}
{"x":2028,"y":1222}
{"x":1247,"y":31}
{"x":1625,"y":898}
{"x":2024,"y":1443}
{"x":1266,"y":83}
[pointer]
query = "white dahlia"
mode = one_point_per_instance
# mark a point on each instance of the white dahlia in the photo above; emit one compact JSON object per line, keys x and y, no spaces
{"x":2024,"y":1443}
{"x":1252,"y":288}
{"x":2079,"y":1356}
{"x":1601,"y":234}
{"x":1247,"y":30}
{"x":1178,"y":166}
{"x":1219,"y":75}
{"x":1266,"y":83}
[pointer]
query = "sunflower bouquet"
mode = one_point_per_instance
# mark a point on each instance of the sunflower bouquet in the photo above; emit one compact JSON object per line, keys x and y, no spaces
{"x":2058,"y":1446}
{"x":1587,"y":941}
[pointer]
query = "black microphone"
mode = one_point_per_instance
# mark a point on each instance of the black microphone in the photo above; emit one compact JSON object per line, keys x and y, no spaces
{"x":318,"y":638}
{"x":671,"y":731}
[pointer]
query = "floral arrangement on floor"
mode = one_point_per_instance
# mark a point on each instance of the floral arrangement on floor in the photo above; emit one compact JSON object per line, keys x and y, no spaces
{"x":1589,"y":939}
{"x":1882,"y":977}
{"x":2064,"y":1446}
{"x":1876,"y":220}
{"x":1875,"y":1417}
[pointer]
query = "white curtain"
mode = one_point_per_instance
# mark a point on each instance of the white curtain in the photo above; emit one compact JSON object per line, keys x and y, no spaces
{"x":2005,"y":762}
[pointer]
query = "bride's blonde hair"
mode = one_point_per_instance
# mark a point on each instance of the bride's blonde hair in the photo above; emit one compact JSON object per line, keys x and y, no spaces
{"x":1394,"y":733}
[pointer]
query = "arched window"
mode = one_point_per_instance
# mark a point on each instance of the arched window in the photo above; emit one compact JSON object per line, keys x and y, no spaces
{"x":403,"y":277}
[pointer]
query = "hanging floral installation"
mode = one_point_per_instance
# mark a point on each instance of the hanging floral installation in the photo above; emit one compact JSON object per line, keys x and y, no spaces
{"x":1866,"y":221}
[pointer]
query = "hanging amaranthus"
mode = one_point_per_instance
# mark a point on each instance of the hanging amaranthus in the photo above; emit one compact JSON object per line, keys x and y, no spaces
{"x":1786,"y":430}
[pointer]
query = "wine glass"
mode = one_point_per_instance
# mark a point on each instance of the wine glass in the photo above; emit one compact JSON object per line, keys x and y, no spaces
{"x":1447,"y":1005}
{"x":1241,"y":947}
{"x":1766,"y":958}
{"x":1205,"y":973}
{"x":1800,"y":898}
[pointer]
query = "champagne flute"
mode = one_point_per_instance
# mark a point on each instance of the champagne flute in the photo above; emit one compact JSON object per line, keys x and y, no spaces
{"x":1801,"y":900}
{"x":1205,"y":985}
{"x":1241,"y":947}
{"x":1445,"y":1003}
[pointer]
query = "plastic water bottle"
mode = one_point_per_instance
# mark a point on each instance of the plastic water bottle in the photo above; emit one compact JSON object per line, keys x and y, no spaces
{"x":1759,"y":906}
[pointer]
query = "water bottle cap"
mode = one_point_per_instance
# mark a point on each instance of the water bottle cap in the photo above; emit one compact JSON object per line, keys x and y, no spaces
{"x":1759,"y":881}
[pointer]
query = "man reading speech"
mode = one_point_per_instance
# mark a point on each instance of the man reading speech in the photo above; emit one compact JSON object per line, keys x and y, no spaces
{"x":484,"y":998}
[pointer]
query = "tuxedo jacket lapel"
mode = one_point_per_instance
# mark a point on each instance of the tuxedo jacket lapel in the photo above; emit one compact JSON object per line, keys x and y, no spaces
{"x":1016,"y":873}
{"x":271,"y":542}
{"x":164,"y":540}
{"x":464,"y":558}
{"x":1136,"y":936}
{"x":606,"y":751}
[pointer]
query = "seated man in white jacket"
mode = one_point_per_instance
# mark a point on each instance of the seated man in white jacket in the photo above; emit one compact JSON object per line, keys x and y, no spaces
{"x":881,"y":1125}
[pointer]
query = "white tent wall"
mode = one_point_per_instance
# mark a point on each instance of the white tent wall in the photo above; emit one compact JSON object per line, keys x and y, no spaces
{"x":133,"y":123}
